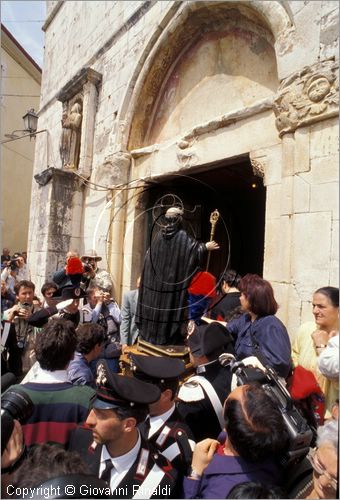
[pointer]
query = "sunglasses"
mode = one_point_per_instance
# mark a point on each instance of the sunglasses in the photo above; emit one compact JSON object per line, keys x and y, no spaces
{"x":319,"y":469}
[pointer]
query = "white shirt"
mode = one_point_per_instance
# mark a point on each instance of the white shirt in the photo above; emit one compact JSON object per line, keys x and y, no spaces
{"x":40,"y":376}
{"x":328,"y":360}
{"x":156,"y":422}
{"x":121,"y":465}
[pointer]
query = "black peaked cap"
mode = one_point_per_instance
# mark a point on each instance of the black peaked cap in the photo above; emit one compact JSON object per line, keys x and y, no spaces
{"x":69,"y":292}
{"x":205,"y":339}
{"x":156,"y":369}
{"x":114,"y":391}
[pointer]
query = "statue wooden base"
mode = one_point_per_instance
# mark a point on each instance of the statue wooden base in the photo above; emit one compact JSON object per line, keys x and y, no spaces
{"x":173,"y":351}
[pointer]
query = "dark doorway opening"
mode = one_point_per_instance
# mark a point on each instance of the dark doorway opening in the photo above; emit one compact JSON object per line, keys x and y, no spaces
{"x":240,"y":198}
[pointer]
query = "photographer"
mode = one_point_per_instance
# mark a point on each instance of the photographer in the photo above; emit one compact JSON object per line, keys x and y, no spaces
{"x":19,"y":344}
{"x":7,"y":297}
{"x":104,"y":310}
{"x":5,"y":257}
{"x":93,"y":275}
{"x":10,"y":274}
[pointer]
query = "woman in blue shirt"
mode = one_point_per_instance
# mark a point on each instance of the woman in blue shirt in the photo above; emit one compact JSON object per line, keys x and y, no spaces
{"x":258,"y":332}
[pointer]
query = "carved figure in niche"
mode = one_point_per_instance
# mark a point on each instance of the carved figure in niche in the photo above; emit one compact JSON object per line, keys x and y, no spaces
{"x":70,"y":137}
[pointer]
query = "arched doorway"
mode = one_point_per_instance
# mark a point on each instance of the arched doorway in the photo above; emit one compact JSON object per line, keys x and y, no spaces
{"x":239,"y":196}
{"x":201,"y":107}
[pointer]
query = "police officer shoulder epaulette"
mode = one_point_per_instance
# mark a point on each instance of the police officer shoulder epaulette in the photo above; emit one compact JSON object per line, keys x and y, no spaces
{"x":191,"y":391}
{"x":184,"y":444}
{"x":162,"y":462}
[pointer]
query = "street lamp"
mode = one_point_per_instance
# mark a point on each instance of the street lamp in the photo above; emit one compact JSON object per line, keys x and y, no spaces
{"x":30,"y":124}
{"x":31,"y":121}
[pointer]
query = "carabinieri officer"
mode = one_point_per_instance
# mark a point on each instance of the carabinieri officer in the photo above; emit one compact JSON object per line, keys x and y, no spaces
{"x":165,"y":428}
{"x":112,"y":444}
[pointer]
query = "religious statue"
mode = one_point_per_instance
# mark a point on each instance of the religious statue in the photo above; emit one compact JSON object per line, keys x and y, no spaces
{"x":70,"y":138}
{"x":172,"y":260}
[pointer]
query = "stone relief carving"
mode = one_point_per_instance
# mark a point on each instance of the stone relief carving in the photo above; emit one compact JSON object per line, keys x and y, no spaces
{"x":308,"y":96}
{"x":188,"y":159}
{"x":71,"y":134}
{"x":114,"y":169}
{"x":258,"y":167}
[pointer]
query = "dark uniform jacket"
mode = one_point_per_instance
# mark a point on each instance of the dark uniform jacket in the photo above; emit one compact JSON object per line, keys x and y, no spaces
{"x":173,"y":439}
{"x":197,"y":409}
{"x":224,"y":305}
{"x":41,"y":317}
{"x":151,"y":472}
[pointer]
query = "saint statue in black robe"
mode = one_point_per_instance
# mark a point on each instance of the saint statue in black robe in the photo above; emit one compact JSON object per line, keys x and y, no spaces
{"x":172,"y":260}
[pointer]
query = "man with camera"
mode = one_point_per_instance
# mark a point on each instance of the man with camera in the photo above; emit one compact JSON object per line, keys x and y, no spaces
{"x":7,"y":297}
{"x":93,"y":275}
{"x":101,"y":308}
{"x":5,"y":257}
{"x":10,"y":273}
{"x":20,"y":334}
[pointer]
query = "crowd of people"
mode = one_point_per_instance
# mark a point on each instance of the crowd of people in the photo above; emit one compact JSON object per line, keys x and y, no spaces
{"x":169,"y":427}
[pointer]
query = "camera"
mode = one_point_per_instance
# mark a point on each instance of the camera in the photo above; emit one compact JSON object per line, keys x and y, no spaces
{"x":299,"y":433}
{"x":15,"y":405}
{"x":87,"y":268}
{"x":13,"y":264}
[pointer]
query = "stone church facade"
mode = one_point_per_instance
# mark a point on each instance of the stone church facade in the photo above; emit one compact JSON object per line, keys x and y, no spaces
{"x":223,"y":104}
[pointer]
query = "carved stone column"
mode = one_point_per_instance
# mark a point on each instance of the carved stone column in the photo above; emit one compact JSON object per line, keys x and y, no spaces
{"x":134,"y":237}
{"x":56,"y":229}
{"x":114,"y":174}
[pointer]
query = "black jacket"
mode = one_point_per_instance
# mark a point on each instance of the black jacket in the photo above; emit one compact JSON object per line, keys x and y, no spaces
{"x":173,"y":439}
{"x":200,"y":415}
{"x":163,"y":483}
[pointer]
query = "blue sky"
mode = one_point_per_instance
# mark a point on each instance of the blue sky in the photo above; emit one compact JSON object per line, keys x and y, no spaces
{"x":24,"y":20}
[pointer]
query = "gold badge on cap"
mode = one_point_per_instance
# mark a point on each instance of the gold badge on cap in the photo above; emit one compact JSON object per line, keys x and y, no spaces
{"x":191,"y":327}
{"x":101,"y":375}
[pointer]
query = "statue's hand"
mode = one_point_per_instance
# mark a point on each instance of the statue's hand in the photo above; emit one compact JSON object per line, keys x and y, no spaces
{"x":212,"y":245}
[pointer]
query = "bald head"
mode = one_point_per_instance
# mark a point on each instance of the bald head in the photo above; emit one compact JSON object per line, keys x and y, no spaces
{"x":173,"y":212}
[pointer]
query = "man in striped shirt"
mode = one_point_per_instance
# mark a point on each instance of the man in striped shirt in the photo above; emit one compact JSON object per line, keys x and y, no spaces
{"x":59,"y":406}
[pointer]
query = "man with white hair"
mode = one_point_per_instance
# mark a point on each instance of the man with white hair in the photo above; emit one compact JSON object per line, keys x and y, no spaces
{"x":172,"y":260}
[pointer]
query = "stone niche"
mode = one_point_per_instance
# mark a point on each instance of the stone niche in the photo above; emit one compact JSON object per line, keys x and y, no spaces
{"x":218,"y":60}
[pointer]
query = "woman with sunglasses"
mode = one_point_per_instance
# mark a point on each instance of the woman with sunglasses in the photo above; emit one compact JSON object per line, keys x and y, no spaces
{"x":324,"y":460}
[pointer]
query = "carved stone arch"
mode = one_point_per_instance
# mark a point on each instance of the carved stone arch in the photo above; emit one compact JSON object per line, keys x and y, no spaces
{"x":165,"y":46}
